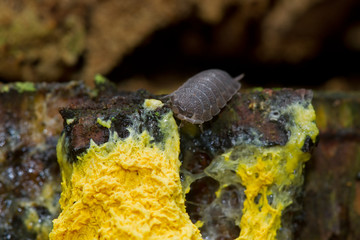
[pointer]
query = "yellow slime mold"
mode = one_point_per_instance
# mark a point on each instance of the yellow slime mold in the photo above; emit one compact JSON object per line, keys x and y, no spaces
{"x":125,"y":189}
{"x":266,"y":175}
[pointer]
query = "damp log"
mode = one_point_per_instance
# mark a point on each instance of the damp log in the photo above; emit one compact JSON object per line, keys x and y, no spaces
{"x":253,"y":151}
{"x":30,"y":126}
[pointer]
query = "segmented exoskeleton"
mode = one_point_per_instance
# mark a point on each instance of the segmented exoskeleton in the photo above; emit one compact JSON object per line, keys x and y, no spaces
{"x":202,"y":96}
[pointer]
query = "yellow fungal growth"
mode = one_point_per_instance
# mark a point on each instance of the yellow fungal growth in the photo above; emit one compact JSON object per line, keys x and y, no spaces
{"x":250,"y":187}
{"x":130,"y":188}
{"x":266,"y":174}
{"x":106,"y":124}
{"x":152,"y":104}
{"x":125,"y":189}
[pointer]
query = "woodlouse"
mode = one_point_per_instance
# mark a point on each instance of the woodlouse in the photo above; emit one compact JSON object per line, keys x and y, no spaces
{"x":202,"y":96}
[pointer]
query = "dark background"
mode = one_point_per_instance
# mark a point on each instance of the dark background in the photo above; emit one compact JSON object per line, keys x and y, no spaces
{"x":158,"y":44}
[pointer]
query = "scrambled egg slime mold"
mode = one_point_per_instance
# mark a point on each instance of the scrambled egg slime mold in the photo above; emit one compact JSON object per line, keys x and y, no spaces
{"x":242,"y":185}
{"x":125,"y":188}
{"x":247,"y":189}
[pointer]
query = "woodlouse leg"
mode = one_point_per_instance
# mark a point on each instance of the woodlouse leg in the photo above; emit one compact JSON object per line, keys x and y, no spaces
{"x":201,"y":128}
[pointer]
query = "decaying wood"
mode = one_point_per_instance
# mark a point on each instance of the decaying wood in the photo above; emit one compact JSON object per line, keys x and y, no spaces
{"x":30,"y":126}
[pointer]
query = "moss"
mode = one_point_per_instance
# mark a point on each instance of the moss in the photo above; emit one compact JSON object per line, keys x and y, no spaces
{"x":25,"y":87}
{"x":100,"y":79}
{"x":19,"y":87}
{"x":257,"y":89}
{"x":5,"y":88}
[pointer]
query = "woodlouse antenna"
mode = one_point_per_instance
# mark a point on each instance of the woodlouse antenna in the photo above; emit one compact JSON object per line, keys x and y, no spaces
{"x":238,"y":78}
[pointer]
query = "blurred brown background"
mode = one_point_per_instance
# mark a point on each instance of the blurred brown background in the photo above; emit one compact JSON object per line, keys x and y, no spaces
{"x":158,"y":44}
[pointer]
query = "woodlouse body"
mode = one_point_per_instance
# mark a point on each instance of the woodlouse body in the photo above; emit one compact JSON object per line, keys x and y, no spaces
{"x":202,"y":96}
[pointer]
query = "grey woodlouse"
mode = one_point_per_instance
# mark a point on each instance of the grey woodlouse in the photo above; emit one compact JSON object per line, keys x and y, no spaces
{"x":202,"y":96}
